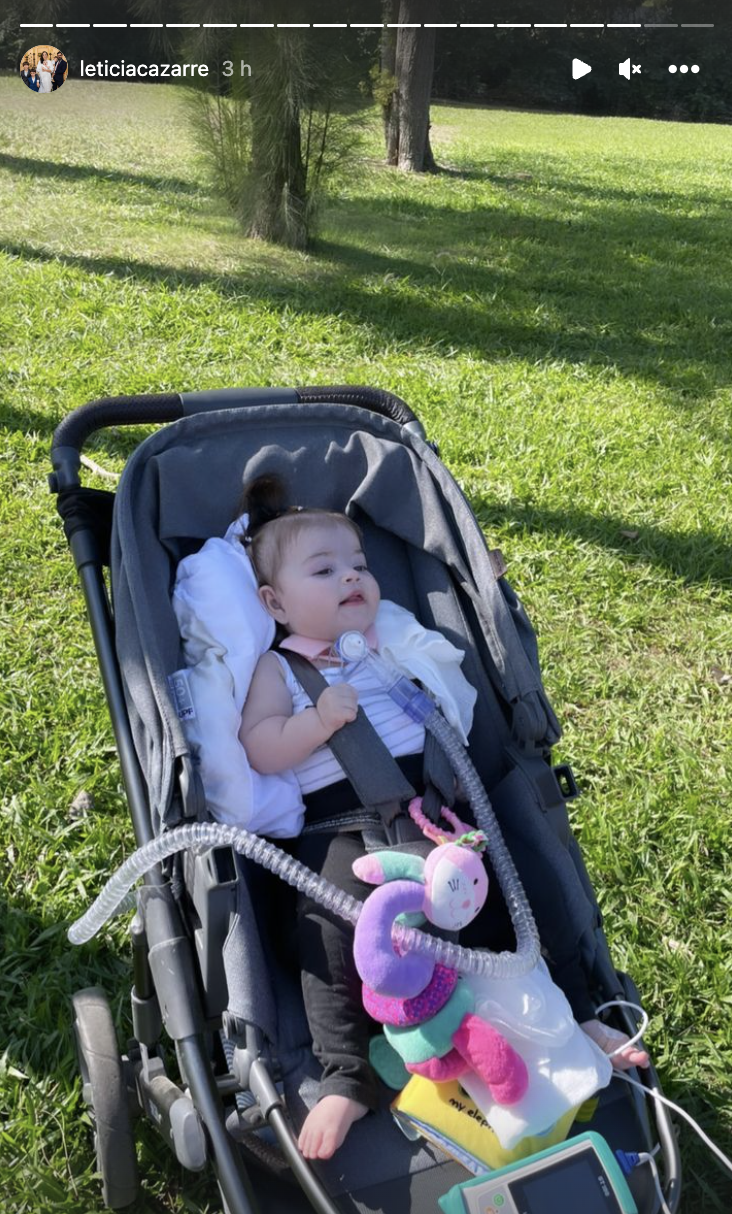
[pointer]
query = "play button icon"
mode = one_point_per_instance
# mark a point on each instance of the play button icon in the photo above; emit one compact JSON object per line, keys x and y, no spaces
{"x":579,"y":69}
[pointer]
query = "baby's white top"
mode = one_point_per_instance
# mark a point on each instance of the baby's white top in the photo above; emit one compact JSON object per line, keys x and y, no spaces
{"x":400,"y":733}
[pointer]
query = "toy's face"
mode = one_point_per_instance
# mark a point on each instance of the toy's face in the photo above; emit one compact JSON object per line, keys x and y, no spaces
{"x":457,"y":888}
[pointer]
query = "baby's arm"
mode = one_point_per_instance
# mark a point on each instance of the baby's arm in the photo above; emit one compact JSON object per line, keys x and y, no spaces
{"x":273,"y":738}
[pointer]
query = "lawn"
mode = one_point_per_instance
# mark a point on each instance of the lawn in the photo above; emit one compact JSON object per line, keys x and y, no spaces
{"x":557,"y":307}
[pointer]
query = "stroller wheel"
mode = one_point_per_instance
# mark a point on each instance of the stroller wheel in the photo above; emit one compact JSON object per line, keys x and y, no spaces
{"x":105,"y":1092}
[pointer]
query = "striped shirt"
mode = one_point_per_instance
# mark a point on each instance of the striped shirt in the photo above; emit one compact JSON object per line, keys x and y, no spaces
{"x":400,"y":733}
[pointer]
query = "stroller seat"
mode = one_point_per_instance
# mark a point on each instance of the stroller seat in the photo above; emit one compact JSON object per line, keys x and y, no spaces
{"x":365,"y":452}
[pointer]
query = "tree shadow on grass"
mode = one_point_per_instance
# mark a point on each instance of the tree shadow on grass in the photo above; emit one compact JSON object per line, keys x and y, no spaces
{"x":499,"y":283}
{"x":540,"y":172}
{"x":40,"y":971}
{"x":64,"y":172}
{"x":25,"y":419}
{"x":698,"y":558}
{"x":714,"y":206}
{"x":540,"y":253}
{"x":486,"y":310}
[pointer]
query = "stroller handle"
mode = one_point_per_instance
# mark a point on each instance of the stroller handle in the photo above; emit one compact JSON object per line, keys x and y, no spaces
{"x":378,"y":401}
{"x":73,"y":431}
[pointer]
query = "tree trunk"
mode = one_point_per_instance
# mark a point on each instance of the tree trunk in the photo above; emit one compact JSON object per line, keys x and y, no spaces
{"x":267,"y":180}
{"x":278,"y":205}
{"x":295,"y":201}
{"x":430,"y":164}
{"x":387,"y":67}
{"x":415,"y":61}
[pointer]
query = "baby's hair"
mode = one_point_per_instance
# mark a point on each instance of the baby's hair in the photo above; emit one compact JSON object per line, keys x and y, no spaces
{"x":274,"y":524}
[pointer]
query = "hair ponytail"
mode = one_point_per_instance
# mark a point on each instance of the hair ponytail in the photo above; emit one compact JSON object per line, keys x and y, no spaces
{"x":264,"y":499}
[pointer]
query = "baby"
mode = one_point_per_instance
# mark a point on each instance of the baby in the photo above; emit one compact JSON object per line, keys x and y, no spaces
{"x":315,"y":583}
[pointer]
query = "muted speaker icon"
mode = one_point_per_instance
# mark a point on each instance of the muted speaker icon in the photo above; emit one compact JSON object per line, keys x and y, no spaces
{"x":625,"y":68}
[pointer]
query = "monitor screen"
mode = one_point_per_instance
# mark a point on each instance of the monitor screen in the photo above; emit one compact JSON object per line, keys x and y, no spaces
{"x":577,"y":1183}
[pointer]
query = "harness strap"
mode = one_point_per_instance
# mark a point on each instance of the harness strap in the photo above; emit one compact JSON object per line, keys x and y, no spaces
{"x":438,"y":777}
{"x":374,"y":773}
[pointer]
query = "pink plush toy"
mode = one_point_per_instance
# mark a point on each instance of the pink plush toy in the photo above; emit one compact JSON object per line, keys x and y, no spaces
{"x":426,"y":1009}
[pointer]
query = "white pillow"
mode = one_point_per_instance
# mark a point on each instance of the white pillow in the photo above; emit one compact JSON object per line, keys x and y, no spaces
{"x":225,"y":629}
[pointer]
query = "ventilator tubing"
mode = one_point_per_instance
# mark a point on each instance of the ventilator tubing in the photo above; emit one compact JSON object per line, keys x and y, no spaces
{"x":528,"y":945}
{"x":417,"y":705}
{"x":203,"y":835}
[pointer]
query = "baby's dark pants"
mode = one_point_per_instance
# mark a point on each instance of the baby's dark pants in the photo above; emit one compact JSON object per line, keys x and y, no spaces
{"x":339,"y":1025}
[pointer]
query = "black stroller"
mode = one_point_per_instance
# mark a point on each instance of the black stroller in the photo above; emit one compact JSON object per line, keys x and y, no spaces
{"x":242,"y":1073}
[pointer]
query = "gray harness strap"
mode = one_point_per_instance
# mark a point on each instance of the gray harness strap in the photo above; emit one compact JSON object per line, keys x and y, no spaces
{"x":439,"y":779}
{"x":376,"y":777}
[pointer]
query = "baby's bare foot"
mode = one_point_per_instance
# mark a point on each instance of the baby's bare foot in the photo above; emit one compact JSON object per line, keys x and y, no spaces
{"x":326,"y":1126}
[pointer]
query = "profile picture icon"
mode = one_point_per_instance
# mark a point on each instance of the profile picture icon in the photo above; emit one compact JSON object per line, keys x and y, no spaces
{"x":43,"y":69}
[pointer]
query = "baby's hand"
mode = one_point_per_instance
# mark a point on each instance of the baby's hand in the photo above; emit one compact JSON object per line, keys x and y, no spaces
{"x":610,"y":1040}
{"x":337,"y":706}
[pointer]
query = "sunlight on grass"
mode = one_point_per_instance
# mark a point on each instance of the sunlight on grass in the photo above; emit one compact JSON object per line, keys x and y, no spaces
{"x":556,"y":306}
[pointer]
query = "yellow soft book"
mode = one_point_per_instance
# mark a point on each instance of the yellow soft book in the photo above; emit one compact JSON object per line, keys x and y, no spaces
{"x":446,"y":1115}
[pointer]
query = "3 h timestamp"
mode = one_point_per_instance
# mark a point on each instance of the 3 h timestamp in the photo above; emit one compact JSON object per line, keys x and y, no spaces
{"x":229,"y":68}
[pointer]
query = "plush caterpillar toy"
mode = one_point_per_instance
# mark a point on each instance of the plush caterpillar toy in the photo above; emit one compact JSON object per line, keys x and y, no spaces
{"x":426,"y":1009}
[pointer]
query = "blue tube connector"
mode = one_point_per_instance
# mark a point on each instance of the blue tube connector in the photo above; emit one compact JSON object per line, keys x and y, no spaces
{"x":352,"y":647}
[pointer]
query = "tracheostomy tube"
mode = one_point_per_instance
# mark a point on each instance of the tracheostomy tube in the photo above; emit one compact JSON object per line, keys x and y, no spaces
{"x":352,"y":647}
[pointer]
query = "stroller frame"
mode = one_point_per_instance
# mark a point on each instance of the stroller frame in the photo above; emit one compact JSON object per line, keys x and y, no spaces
{"x":167,"y":990}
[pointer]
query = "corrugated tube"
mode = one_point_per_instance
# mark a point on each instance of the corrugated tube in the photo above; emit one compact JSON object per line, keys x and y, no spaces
{"x":479,"y":962}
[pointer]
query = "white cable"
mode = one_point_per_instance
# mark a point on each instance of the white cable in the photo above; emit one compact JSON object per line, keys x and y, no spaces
{"x":624,"y":1045}
{"x":646,"y":1158}
{"x":726,"y":1163}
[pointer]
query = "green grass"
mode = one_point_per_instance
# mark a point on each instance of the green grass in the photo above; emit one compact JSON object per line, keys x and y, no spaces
{"x":557,"y":308}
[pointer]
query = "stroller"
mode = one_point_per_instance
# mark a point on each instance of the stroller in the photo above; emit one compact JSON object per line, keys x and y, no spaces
{"x":242,"y":1071}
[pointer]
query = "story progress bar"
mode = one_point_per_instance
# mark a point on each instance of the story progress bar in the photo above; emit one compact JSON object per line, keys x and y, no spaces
{"x":471,"y":25}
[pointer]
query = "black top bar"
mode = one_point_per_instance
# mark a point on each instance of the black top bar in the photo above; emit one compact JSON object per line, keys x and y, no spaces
{"x":384,"y":403}
{"x":236,"y":398}
{"x":71,"y":434}
{"x":76,"y":427}
{"x":373,"y":399}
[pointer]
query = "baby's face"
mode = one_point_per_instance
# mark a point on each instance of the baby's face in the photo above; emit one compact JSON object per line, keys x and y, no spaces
{"x":323,"y":587}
